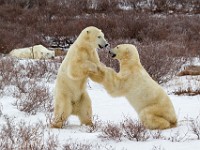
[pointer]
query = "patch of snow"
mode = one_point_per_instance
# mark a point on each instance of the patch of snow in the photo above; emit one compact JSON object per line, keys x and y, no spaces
{"x":114,"y":110}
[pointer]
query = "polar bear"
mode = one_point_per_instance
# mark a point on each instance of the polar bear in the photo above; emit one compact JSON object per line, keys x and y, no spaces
{"x":34,"y":52}
{"x":150,"y":101}
{"x":71,"y":97}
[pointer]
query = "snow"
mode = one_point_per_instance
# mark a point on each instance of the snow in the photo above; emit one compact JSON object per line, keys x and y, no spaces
{"x":114,"y":110}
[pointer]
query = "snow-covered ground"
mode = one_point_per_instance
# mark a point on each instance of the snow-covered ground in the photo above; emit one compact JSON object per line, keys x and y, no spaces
{"x":114,"y":110}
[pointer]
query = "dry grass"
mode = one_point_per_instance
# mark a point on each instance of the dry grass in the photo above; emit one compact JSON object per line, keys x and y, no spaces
{"x":71,"y":145}
{"x":178,"y":136}
{"x":33,"y":98}
{"x":156,"y":134}
{"x":23,"y":136}
{"x":134,"y":130}
{"x":189,"y":91}
{"x":130,"y":129}
{"x":6,"y":69}
{"x":23,"y":80}
{"x":157,"y":148}
{"x":195,"y":127}
{"x":111,"y":132}
{"x":12,"y":71}
{"x":96,"y":126}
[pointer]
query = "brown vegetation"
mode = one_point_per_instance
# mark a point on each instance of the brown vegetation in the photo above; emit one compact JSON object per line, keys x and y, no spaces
{"x":23,"y":136}
{"x":195,"y":126}
{"x":190,"y":70}
{"x":189,"y":91}
{"x":111,"y":132}
{"x":162,"y":31}
{"x":134,"y":130}
{"x":57,"y":23}
{"x":25,"y":78}
{"x":33,"y":98}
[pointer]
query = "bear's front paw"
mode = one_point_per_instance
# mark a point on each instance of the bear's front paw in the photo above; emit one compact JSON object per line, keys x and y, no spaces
{"x":89,"y":67}
{"x":97,"y":76}
{"x":56,"y":124}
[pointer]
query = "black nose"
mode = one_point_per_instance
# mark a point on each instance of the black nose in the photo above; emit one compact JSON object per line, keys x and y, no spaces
{"x":112,"y":54}
{"x":106,"y":45}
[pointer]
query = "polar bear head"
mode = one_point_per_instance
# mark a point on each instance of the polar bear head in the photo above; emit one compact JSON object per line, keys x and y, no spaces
{"x":48,"y":55}
{"x":93,"y":37}
{"x":125,"y":52}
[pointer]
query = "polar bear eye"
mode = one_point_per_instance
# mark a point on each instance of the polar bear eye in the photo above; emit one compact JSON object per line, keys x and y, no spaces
{"x":99,"y":37}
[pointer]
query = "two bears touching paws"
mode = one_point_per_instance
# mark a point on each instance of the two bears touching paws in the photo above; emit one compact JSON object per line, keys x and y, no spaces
{"x":147,"y":97}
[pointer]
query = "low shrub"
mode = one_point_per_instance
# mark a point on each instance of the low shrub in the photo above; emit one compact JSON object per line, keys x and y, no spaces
{"x":23,"y":136}
{"x":111,"y":132}
{"x":134,"y":130}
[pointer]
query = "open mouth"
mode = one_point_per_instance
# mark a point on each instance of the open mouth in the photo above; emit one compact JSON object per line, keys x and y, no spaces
{"x":112,"y":54}
{"x":100,"y":46}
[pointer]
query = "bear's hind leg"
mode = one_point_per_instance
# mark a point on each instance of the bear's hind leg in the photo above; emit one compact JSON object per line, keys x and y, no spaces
{"x":152,"y":120}
{"x":85,"y":110}
{"x":62,"y":110}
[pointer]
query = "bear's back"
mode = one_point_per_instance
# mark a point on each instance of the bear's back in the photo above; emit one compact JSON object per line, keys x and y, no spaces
{"x":21,"y":53}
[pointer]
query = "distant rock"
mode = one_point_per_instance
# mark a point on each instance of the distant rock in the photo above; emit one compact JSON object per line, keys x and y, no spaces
{"x":190,"y":70}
